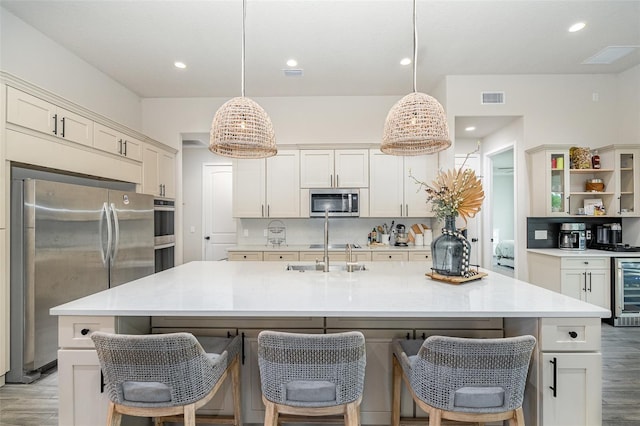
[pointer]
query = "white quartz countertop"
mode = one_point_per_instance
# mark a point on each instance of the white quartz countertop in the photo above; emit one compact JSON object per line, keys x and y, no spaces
{"x":306,"y":247}
{"x":584,"y":253}
{"x":266,"y":289}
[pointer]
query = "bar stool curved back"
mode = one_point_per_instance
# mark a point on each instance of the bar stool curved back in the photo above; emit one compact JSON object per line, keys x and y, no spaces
{"x":311,"y":375}
{"x":469,"y":380}
{"x":166,"y":376}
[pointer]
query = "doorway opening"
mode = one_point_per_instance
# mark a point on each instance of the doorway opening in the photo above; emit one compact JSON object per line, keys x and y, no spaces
{"x":497,"y":228}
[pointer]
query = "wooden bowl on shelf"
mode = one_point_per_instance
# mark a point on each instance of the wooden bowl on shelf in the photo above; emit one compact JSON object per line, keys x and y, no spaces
{"x":594,"y":185}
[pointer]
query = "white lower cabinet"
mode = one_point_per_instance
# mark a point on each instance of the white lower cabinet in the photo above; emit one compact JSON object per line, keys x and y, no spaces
{"x":584,"y":278}
{"x":4,"y":283}
{"x":81,"y":400}
{"x":587,"y":279}
{"x":571,"y":389}
{"x":570,"y":383}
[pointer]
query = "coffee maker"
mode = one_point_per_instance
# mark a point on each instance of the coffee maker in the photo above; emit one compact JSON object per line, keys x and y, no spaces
{"x":572,"y":236}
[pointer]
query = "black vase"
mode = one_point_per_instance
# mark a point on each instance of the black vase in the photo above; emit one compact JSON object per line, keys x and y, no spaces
{"x":451,"y":251}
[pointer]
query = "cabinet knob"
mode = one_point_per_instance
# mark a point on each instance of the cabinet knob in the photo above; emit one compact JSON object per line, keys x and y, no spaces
{"x":84,"y":331}
{"x":573,"y":334}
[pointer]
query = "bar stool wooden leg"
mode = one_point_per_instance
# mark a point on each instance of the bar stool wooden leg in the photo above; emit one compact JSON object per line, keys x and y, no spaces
{"x":518,"y":418}
{"x":396,"y":385}
{"x":190,"y":415}
{"x":235,"y":384}
{"x":113,"y":417}
{"x":270,"y":414}
{"x":435,"y":417}
{"x":351,"y":415}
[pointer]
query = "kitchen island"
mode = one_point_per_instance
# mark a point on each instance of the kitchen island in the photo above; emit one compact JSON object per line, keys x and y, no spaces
{"x":387,"y":300}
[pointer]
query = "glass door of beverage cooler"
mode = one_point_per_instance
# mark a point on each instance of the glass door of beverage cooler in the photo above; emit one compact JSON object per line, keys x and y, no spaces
{"x":627,"y":291}
{"x":558,"y":182}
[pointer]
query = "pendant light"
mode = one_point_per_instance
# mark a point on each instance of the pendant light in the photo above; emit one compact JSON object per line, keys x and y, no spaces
{"x":240,"y":127}
{"x":417,"y":123}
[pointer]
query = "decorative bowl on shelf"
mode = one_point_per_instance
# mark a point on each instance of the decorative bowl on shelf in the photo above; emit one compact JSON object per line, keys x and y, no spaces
{"x":594,"y":185}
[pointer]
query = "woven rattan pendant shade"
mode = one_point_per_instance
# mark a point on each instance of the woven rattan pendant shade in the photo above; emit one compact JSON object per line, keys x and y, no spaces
{"x":240,"y":127}
{"x":417,"y":123}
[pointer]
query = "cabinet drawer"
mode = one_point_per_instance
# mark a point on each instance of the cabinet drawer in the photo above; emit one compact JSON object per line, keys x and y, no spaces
{"x":312,"y":256}
{"x":245,"y":255}
{"x":585,"y":263}
{"x":75,"y":331}
{"x":389,"y":256}
{"x":415,"y":256}
{"x":280,"y":255}
{"x":569,"y":334}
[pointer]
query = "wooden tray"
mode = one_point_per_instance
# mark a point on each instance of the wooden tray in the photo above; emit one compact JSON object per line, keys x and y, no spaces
{"x":455,"y":280}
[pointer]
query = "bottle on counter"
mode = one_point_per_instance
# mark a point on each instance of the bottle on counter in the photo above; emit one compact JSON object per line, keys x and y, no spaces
{"x":374,"y":235}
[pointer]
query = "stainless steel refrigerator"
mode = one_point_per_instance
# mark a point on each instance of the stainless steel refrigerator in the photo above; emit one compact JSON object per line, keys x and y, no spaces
{"x":68,"y":241}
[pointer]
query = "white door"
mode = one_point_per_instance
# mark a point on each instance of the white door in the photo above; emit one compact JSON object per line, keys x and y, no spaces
{"x":218,"y":223}
{"x":473,"y":224}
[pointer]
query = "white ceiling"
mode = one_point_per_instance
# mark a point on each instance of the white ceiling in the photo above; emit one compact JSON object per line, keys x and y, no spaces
{"x":346,"y":47}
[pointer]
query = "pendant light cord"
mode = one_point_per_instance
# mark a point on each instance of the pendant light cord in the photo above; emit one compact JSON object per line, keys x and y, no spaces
{"x":244,"y":17}
{"x":415,"y":45}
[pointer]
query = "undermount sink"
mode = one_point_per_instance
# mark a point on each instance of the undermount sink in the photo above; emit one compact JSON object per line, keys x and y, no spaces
{"x":319,"y":268}
{"x":333,"y":246}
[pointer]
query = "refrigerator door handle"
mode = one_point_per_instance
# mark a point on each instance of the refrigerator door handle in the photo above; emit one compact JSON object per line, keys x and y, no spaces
{"x":104,"y":217}
{"x":116,"y":226}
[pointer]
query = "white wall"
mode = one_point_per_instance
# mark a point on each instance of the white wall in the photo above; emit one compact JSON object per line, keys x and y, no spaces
{"x":556,"y":109}
{"x":30,"y":55}
{"x":628,"y":108}
{"x":296,"y":120}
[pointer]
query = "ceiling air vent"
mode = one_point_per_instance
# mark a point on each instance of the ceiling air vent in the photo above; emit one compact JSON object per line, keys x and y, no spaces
{"x":492,"y":98}
{"x":293,"y":72}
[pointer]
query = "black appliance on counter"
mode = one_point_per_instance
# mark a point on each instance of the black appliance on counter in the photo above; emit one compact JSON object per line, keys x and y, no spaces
{"x":602,"y":233}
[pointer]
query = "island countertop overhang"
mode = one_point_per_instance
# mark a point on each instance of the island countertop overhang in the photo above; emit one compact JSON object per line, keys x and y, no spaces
{"x":266,"y":289}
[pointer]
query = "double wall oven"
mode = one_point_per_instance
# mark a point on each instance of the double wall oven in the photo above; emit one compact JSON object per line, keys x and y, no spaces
{"x":164,"y":232}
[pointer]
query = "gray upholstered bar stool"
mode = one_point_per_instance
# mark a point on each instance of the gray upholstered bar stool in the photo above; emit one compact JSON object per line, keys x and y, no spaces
{"x":167,"y":376}
{"x":311,"y":375}
{"x":468,"y":380}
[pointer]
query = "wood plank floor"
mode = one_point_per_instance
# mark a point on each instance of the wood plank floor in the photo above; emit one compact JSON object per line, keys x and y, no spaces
{"x":37,"y":404}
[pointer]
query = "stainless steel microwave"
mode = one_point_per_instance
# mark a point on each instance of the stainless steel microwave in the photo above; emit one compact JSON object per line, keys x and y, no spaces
{"x":337,"y":201}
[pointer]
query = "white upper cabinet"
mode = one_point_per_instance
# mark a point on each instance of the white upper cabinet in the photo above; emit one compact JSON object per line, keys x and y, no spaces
{"x":115,"y":142}
{"x":341,"y":168}
{"x":36,"y":114}
{"x":249,"y":188}
{"x":558,"y":190}
{"x":283,"y":185}
{"x":392,"y":192}
{"x":158,"y":172}
{"x":267,"y":188}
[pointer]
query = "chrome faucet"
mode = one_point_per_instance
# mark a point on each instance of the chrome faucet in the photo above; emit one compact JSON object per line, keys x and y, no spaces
{"x":325,"y":257}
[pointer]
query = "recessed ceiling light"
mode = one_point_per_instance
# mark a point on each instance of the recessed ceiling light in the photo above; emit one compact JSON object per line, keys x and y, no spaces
{"x":180,"y":65}
{"x":470,"y":128}
{"x":292,"y":63}
{"x":405,"y":61}
{"x":577,"y":27}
